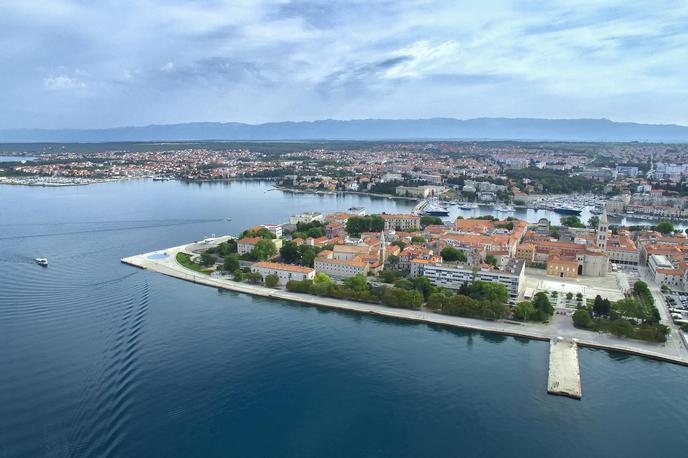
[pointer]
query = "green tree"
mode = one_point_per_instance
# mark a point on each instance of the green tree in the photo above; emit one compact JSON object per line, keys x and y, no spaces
{"x":316,"y":232}
{"x":594,"y":221}
{"x":582,"y":319}
{"x":254,"y":277}
{"x":271,"y":280}
{"x":665,"y":227}
{"x":572,"y":221}
{"x":621,"y":328}
{"x":389,"y":276}
{"x":357,"y":283}
{"x":418,"y":239}
{"x":264,"y":249}
{"x":238,"y":275}
{"x":423,"y":285}
{"x":542,"y":304}
{"x":356,"y":225}
{"x":524,"y":310}
{"x":489,"y":291}
{"x":428,"y":220}
{"x":290,"y":252}
{"x":490,"y":259}
{"x":436,"y":301}
{"x":308,"y":254}
{"x":377,"y":223}
{"x":231,"y":263}
{"x":322,"y":277}
{"x":449,"y":254}
{"x":207,"y":259}
{"x":262,"y":232}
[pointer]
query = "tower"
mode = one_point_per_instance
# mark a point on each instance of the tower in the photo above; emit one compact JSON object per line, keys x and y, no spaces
{"x":382,"y":247}
{"x":602,"y":228}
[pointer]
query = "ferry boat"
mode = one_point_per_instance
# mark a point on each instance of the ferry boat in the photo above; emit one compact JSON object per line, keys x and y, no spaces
{"x":41,"y":262}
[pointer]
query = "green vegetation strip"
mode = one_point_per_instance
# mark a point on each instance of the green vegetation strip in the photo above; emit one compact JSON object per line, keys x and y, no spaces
{"x":185,"y":260}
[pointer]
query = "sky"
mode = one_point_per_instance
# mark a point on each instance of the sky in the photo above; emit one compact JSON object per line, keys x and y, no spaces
{"x":108,"y":63}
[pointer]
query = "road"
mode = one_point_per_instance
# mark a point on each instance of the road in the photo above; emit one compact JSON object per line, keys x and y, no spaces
{"x":674,"y":339}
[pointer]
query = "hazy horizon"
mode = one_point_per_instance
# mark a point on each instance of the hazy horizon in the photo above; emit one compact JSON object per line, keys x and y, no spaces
{"x":103,"y":64}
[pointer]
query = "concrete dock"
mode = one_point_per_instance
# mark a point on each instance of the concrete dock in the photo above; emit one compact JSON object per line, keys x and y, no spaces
{"x":564,"y":371}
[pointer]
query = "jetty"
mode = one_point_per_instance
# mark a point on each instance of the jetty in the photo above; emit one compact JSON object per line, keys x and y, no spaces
{"x":564,"y":371}
{"x":418,"y":209}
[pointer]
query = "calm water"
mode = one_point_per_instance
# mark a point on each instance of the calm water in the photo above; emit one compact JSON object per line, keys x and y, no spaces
{"x":15,"y":158}
{"x":101,"y":359}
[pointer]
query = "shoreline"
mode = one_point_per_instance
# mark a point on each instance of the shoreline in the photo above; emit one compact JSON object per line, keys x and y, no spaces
{"x":168,"y":266}
{"x":331,"y":193}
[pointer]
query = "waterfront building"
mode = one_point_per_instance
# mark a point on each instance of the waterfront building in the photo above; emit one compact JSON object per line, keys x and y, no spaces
{"x":339,"y":268}
{"x":284,"y":272}
{"x":454,"y":275}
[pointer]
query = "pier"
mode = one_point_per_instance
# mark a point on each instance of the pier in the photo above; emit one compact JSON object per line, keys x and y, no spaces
{"x":418,"y":209}
{"x":564,"y":371}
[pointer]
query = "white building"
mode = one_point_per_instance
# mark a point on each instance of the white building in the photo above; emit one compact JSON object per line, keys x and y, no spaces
{"x":284,"y":272}
{"x":453,"y":276}
{"x":306,"y":217}
{"x":276,"y":229}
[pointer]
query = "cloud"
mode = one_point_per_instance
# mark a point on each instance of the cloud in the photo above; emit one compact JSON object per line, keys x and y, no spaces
{"x":62,"y":82}
{"x":152,"y":61}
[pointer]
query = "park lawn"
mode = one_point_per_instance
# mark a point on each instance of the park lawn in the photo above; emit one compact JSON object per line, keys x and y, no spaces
{"x":185,"y":260}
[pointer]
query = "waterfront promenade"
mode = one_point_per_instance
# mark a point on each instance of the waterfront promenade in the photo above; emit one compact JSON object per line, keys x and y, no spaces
{"x":164,"y":262}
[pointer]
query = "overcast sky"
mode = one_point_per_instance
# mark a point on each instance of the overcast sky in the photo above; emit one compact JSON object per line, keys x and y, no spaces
{"x":103,"y":63}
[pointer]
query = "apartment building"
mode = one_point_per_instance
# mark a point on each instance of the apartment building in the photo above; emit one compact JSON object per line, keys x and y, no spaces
{"x":453,"y":275}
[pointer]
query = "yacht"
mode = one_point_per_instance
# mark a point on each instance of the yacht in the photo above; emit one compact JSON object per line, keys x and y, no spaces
{"x":504,"y":208}
{"x":435,"y":210}
{"x":567,"y":209}
{"x":41,"y":262}
{"x":468,"y":205}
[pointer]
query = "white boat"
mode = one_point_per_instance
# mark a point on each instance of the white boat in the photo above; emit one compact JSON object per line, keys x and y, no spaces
{"x":41,"y":262}
{"x":435,"y":209}
{"x":505,"y":208}
{"x":468,"y":206}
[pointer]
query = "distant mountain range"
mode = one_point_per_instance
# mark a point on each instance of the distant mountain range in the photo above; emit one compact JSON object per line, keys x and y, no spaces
{"x":523,"y":129}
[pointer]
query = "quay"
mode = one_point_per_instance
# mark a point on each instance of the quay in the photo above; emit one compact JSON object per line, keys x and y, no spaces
{"x":564,"y":371}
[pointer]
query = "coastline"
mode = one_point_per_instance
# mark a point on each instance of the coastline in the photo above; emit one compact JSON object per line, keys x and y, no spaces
{"x":169,"y":266}
{"x":360,"y":193}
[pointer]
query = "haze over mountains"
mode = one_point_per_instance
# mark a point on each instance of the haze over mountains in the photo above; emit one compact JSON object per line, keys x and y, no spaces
{"x":371,"y":129}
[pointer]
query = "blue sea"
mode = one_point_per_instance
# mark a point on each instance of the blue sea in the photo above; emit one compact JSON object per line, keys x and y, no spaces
{"x":101,"y":359}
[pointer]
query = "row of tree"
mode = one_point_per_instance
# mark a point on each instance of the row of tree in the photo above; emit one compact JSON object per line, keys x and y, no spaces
{"x":634,"y":316}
